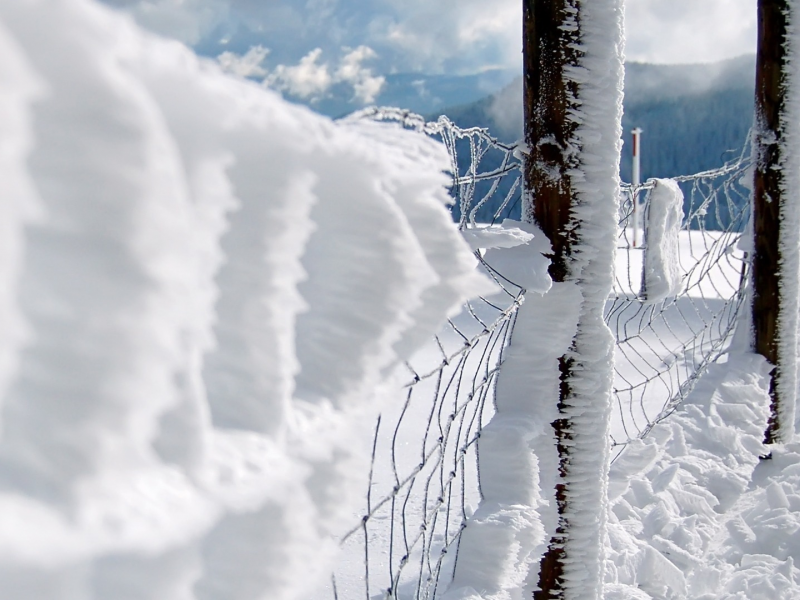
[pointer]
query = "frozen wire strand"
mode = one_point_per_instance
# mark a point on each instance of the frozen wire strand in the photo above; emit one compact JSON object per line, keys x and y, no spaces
{"x":490,"y":193}
{"x":410,"y":120}
{"x":489,"y":176}
{"x":365,"y":520}
{"x":512,"y":193}
{"x":504,"y":316}
{"x":446,"y":488}
{"x":394,"y":444}
{"x":426,"y":457}
{"x":467,"y":189}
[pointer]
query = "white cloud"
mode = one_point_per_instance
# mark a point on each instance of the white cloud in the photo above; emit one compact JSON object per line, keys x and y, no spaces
{"x":453,"y":36}
{"x":506,"y":109}
{"x":185,"y":20}
{"x":311,"y":78}
{"x":249,"y":65}
{"x":687,"y":31}
{"x":366,"y":86}
{"x":307,"y":79}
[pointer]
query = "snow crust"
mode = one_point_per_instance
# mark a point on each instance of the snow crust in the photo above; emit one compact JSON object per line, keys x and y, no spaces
{"x":506,"y":236}
{"x":200,"y":284}
{"x":661,"y":275}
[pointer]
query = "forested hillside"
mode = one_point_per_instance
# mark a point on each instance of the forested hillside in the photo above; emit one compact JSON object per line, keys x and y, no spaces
{"x":694,"y":117}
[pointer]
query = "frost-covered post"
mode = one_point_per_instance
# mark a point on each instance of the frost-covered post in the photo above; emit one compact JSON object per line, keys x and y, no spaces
{"x":573,"y":77}
{"x":775,"y":212}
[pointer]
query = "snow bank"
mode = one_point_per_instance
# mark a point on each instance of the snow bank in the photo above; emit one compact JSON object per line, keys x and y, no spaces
{"x":661,"y":275}
{"x":694,"y":511}
{"x":199,"y":284}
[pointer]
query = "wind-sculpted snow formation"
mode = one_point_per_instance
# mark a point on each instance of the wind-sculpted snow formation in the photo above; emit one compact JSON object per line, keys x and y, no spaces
{"x":661,"y":275}
{"x":199,"y":285}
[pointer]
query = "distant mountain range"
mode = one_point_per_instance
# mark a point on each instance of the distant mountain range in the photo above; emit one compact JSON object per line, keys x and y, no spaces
{"x":694,"y":117}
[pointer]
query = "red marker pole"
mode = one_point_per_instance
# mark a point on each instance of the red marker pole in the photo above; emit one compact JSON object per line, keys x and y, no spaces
{"x":635,"y":181}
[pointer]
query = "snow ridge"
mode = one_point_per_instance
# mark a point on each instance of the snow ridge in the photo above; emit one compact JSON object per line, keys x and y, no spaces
{"x":200,"y":285}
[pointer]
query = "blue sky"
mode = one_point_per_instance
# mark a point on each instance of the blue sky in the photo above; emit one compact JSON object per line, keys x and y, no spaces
{"x":433,"y":36}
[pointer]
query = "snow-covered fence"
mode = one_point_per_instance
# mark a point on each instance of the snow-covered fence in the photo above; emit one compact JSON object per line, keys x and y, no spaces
{"x":425,"y":475}
{"x":668,"y":334}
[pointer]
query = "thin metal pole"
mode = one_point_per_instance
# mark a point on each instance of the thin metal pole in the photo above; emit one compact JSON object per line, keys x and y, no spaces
{"x":635,"y":182}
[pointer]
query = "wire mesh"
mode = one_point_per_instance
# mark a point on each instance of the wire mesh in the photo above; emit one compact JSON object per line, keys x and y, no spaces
{"x":425,"y":473}
{"x":425,"y":464}
{"x":424,"y":477}
{"x":663,"y":348}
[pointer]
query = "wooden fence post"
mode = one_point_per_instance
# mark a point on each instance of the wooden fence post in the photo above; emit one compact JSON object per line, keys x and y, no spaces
{"x":573,"y":76}
{"x":548,"y":48}
{"x":768,"y":200}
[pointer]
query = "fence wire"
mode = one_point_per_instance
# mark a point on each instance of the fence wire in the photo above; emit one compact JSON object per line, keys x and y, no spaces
{"x":662,"y":349}
{"x":424,"y":477}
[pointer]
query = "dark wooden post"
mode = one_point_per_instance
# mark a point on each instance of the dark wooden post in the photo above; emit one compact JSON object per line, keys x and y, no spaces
{"x":548,"y":48}
{"x":768,"y":196}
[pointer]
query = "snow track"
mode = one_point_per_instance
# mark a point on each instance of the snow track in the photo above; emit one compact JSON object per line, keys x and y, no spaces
{"x":695,"y":512}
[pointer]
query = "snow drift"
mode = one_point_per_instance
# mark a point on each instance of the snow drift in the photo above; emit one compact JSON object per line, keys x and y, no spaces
{"x":198,"y":283}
